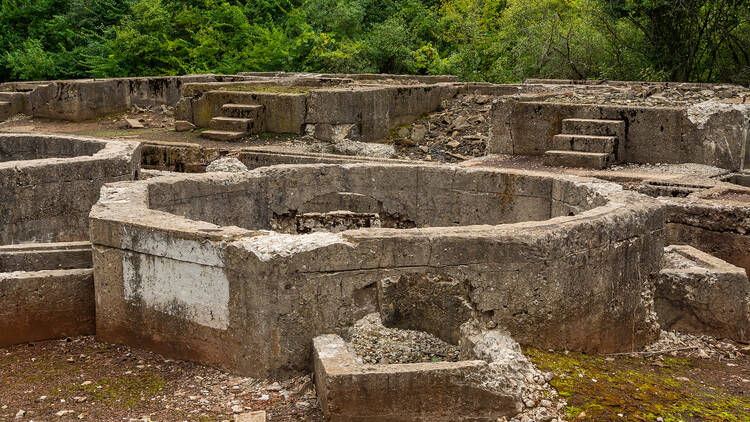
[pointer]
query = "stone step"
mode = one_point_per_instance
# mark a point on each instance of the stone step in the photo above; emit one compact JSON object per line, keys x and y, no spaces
{"x":222,"y":135}
{"x":235,"y":124}
{"x":591,"y":160}
{"x":584,"y":143}
{"x":245,"y":111}
{"x":595,"y":127}
{"x":10,"y":96}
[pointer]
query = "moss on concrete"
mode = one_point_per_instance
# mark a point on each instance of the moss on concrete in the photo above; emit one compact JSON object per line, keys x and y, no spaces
{"x":600,"y":388}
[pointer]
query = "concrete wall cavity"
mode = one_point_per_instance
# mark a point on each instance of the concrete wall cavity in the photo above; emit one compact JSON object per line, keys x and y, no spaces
{"x":251,"y":301}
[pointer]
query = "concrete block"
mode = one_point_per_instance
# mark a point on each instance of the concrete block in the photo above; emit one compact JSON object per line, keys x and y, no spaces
{"x":222,"y":135}
{"x":42,"y":305}
{"x":591,"y":160}
{"x":700,"y":294}
{"x":441,"y":391}
{"x":584,"y":143}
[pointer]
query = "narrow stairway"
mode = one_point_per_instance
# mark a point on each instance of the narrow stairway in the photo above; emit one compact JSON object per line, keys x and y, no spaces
{"x":587,"y":143}
{"x":236,"y":122}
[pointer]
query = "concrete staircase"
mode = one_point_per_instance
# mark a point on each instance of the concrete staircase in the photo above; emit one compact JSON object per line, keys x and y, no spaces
{"x":236,"y":121}
{"x":587,"y":143}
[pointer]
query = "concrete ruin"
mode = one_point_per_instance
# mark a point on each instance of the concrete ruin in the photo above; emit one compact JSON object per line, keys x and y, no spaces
{"x":49,"y":184}
{"x":257,"y":217}
{"x":501,"y":235}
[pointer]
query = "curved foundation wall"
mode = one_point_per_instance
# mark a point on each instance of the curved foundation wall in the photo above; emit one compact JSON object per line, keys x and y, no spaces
{"x":251,"y":300}
{"x":50,"y":182}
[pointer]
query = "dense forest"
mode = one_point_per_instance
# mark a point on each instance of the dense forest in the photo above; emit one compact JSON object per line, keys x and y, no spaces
{"x":478,"y":40}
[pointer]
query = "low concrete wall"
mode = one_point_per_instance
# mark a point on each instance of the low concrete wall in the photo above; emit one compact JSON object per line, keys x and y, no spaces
{"x":46,"y":292}
{"x":184,"y":267}
{"x":373,"y":110}
{"x":442,"y":391}
{"x":50,"y":182}
{"x":193,"y":158}
{"x":711,"y":133}
{"x":85,"y":99}
{"x":718,"y":227}
{"x":700,"y":294}
{"x":42,"y":305}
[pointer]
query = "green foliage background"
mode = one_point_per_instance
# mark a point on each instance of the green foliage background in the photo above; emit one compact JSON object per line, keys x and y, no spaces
{"x":481,"y":40}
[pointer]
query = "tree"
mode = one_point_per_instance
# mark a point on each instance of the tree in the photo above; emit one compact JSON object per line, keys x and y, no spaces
{"x":690,"y":40}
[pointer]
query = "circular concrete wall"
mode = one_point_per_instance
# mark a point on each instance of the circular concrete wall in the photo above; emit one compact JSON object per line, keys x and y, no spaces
{"x":50,"y":182}
{"x":190,"y":266}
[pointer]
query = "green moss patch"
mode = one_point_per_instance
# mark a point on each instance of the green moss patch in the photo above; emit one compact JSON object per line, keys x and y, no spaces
{"x":126,"y":391}
{"x":598,"y":388}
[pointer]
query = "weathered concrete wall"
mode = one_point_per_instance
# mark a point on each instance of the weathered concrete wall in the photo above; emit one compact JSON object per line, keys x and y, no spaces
{"x":373,"y":110}
{"x":700,"y":294}
{"x":45,"y":256}
{"x":708,"y":133}
{"x":41,"y":305}
{"x":84,"y":99}
{"x":46,"y":291}
{"x":251,"y":301}
{"x":49,"y":183}
{"x":720,"y":228}
{"x":285,"y":112}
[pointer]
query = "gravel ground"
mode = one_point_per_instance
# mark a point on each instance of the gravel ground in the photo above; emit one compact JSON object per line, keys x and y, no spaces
{"x":82,"y":379}
{"x":458,"y":132}
{"x":375,"y":343}
{"x":688,"y":345}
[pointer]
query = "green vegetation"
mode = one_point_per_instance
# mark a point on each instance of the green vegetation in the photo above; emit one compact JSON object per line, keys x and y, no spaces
{"x":491,"y":40}
{"x":598,"y":389}
{"x":126,"y":391}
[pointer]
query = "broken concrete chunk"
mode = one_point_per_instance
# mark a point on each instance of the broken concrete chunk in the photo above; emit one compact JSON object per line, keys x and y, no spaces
{"x":134,"y":124}
{"x":700,"y":294}
{"x":227,"y":164}
{"x":183,"y":126}
{"x":418,"y":133}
